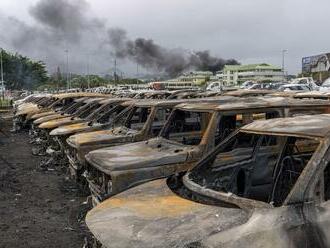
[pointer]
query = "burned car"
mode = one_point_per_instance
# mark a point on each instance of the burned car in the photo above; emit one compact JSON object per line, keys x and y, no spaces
{"x":99,"y":119}
{"x":102,"y":119}
{"x":266,"y":185}
{"x":25,"y":112}
{"x":69,"y":108}
{"x":140,"y":120}
{"x":82,"y":110}
{"x":82,"y":113}
{"x":192,"y":130}
{"x":248,"y":93}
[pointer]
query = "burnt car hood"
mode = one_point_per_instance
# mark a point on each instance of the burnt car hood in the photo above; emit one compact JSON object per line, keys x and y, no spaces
{"x":28,"y":109}
{"x":50,"y":117}
{"x":138,"y":155}
{"x":151,"y":215}
{"x":119,"y":134}
{"x":59,"y":122}
{"x":74,"y":128}
{"x":37,"y":116}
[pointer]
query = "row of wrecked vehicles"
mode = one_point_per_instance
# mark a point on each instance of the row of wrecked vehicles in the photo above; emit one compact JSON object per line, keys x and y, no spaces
{"x":242,"y":169}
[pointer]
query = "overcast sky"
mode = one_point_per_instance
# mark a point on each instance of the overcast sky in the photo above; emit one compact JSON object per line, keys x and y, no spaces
{"x":250,"y":31}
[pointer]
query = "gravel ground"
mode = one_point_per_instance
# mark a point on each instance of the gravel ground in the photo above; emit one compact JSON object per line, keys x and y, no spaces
{"x":37,"y":208}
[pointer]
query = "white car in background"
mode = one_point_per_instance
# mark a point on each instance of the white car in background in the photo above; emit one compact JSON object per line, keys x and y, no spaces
{"x":307,"y":81}
{"x":325,"y":87}
{"x":294,"y":87}
{"x":247,"y":84}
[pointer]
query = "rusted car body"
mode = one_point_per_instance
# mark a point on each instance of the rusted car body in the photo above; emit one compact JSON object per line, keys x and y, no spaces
{"x":266,"y":185}
{"x":81,"y":114}
{"x":25,"y":110}
{"x":82,"y":110}
{"x":248,"y":93}
{"x":141,"y":120}
{"x":314,"y":95}
{"x":190,"y":133}
{"x":100,"y":118}
{"x":66,"y":110}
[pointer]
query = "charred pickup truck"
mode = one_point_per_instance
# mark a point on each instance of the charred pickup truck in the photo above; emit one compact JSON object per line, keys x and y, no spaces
{"x":266,"y":185}
{"x":141,"y":120}
{"x":191,"y":131}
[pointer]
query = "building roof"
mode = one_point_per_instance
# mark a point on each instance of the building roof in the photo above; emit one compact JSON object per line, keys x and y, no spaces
{"x":250,"y":67}
{"x":317,"y":126}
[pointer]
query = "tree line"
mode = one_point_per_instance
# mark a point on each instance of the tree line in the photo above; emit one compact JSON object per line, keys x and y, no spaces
{"x":21,"y":72}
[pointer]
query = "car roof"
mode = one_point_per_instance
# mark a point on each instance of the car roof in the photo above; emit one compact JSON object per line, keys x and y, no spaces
{"x":114,"y":100}
{"x":79,"y":94}
{"x":160,"y":102}
{"x":317,"y":126}
{"x":251,"y":103}
{"x":89,"y":100}
{"x":245,"y":92}
{"x":295,"y":85}
{"x":312,"y":94}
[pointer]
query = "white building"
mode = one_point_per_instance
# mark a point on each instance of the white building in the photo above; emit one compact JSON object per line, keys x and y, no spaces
{"x":237,"y":74}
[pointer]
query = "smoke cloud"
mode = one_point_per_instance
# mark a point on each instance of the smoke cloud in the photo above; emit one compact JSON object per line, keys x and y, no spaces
{"x":66,"y":24}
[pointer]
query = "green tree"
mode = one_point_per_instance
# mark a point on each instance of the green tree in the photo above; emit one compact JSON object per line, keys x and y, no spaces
{"x":20,"y":72}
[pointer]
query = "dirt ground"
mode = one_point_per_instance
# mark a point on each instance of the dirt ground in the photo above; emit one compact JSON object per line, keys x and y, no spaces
{"x":37,"y":208}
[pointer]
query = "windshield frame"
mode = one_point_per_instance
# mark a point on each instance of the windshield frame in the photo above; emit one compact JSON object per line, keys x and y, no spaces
{"x":242,"y":202}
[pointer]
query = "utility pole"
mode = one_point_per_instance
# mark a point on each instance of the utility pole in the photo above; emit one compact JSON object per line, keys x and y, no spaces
{"x":88,"y":80}
{"x":115,"y":71}
{"x":2,"y":83}
{"x":137,"y":73}
{"x":283,"y":65}
{"x":67,"y":69}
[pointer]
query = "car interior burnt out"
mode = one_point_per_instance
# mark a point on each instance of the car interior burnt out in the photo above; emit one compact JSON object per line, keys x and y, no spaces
{"x":186,"y":127}
{"x":135,"y":118}
{"x":256,"y":166}
{"x":230,"y":122}
{"x":107,"y":114}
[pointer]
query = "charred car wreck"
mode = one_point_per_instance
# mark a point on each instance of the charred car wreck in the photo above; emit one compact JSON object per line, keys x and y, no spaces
{"x":191,"y":131}
{"x":139,"y":121}
{"x":266,"y":185}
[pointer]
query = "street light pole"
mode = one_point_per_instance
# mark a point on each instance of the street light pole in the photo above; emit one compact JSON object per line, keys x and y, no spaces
{"x":2,"y":83}
{"x":88,"y":81}
{"x":67,"y":69}
{"x":283,"y":65}
{"x":137,"y":73}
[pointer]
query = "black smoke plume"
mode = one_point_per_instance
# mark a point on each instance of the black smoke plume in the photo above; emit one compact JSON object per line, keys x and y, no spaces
{"x":66,"y":24}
